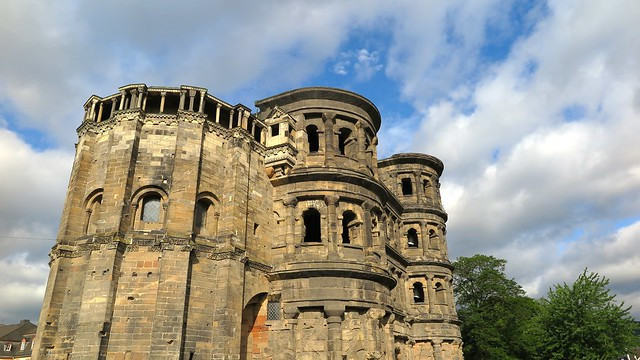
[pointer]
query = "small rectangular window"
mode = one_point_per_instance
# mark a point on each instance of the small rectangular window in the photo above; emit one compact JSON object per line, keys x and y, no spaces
{"x":7,"y":347}
{"x":275,"y":130}
{"x":273,"y":310}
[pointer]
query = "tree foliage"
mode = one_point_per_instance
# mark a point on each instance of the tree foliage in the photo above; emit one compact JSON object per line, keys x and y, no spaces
{"x":582,"y":321}
{"x":495,"y":313}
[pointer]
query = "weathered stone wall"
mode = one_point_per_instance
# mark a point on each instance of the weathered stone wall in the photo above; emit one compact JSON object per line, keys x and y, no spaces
{"x":194,"y":229}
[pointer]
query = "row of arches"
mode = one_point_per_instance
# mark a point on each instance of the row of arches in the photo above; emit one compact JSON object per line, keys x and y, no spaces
{"x":312,"y":226}
{"x":148,"y":211}
{"x":418,"y":292}
{"x":347,"y":142}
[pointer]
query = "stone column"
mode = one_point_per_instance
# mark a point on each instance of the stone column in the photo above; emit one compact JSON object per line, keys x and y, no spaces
{"x":430,"y":293}
{"x":192,"y":96}
{"x":201,"y":109}
{"x":290,"y":313}
{"x":329,"y":149}
{"x":140,"y":96}
{"x":122,"y":96}
{"x":374,"y":160}
{"x":230,"y":118}
{"x":437,"y":349}
{"x":162,"y":100}
{"x":183,"y":94}
{"x":245,"y":119}
{"x":450,"y":299}
{"x":218,"y":106}
{"x":114,"y":103}
{"x":144,"y":101}
{"x":368,"y":239}
{"x":419,"y":191}
{"x":100,"y":112}
{"x":424,"y":232}
{"x":263,"y":136}
{"x":332,"y":201}
{"x":290,"y":203}
{"x":92,"y":113}
{"x":240,"y":113}
{"x":362,"y":150}
{"x":334,"y":313}
{"x":253,"y":128}
{"x":134,"y":99}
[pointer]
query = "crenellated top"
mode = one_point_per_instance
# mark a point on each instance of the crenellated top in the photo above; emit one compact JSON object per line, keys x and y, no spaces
{"x":168,"y":101}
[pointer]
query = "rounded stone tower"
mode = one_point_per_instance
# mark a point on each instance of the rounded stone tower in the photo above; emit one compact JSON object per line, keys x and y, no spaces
{"x":194,"y":229}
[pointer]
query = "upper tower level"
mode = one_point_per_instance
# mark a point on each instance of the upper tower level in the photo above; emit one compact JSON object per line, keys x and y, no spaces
{"x":319,"y":126}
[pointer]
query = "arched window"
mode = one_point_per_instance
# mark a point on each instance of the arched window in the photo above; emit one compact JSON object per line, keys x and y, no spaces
{"x":412,"y":238}
{"x":93,"y":213}
{"x":151,"y":208}
{"x":343,"y":136}
{"x":312,"y":137}
{"x":407,"y":188}
{"x":200,"y":221}
{"x":440,"y":293}
{"x":418,"y":293}
{"x":311,"y":219}
{"x":348,"y":220}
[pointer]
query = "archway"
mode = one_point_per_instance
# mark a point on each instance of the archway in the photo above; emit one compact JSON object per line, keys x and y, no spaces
{"x":254,"y":333}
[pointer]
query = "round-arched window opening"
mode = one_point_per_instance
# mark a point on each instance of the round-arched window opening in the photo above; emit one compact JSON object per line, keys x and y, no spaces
{"x":418,"y":293}
{"x":343,"y":136}
{"x":412,"y":238}
{"x":313,"y":139}
{"x":348,"y":218}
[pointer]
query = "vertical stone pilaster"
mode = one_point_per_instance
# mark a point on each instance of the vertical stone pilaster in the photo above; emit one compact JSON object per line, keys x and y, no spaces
{"x":419,"y":190}
{"x":290,"y":204}
{"x":329,"y":149}
{"x":426,"y":241}
{"x":166,"y":336}
{"x":437,"y":349}
{"x":362,"y":150}
{"x":332,"y":219}
{"x":334,"y":313}
{"x":368,"y":238}
{"x":430,"y":293}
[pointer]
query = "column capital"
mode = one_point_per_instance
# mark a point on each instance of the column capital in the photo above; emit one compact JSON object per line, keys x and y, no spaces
{"x":328,"y":116}
{"x":218,"y":105}
{"x":331,"y":199}
{"x":367,"y":206}
{"x":290,"y":201}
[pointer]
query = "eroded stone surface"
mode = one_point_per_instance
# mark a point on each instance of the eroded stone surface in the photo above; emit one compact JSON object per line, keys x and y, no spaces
{"x":193,"y":229}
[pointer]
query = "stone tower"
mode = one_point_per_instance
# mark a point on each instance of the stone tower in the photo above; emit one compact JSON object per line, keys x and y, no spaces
{"x":194,"y":229}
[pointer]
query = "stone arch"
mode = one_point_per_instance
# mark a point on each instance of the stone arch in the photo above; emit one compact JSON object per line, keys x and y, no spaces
{"x":93,"y":206}
{"x":149,"y":208}
{"x":206,"y":214}
{"x":346,"y":142}
{"x":418,"y":292}
{"x":349,"y":222}
{"x":312,"y":225}
{"x":440,"y":293}
{"x":254,"y":333}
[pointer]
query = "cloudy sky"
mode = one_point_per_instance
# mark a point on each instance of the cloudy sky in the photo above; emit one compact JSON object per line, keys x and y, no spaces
{"x":534,"y":107}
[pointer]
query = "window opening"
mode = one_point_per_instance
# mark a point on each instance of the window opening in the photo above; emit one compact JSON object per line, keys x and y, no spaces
{"x":407,"y":189}
{"x":412,"y":238}
{"x":202,"y":210}
{"x":439,"y":293}
{"x":311,"y":225}
{"x":151,"y":208}
{"x":418,"y":293}
{"x":342,"y":140}
{"x":312,"y":137}
{"x":273,"y":310}
{"x":275,"y":130}
{"x":348,"y":218}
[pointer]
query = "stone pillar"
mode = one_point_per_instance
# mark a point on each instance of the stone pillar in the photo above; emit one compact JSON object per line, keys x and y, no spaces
{"x":329,"y":149}
{"x":218,"y":106}
{"x":253,"y":128}
{"x":430,"y":293}
{"x":450,"y":299}
{"x":290,"y":313}
{"x":201,"y":109}
{"x":162,"y":100}
{"x":290,"y":203}
{"x":334,"y":313}
{"x":230,"y":118}
{"x":192,"y":96}
{"x":140,"y":96}
{"x":100,"y":112}
{"x":92,"y":113}
{"x":374,"y":160}
{"x":332,"y":201}
{"x":114,"y":103}
{"x":144,"y":101}
{"x":245,"y":119}
{"x":183,"y":94}
{"x":240,"y":113}
{"x":362,"y":137}
{"x":368,"y":238}
{"x":437,"y":349}
{"x":134,"y":99}
{"x":426,"y":241}
{"x":419,"y":190}
{"x":122,"y":96}
{"x":263,"y":136}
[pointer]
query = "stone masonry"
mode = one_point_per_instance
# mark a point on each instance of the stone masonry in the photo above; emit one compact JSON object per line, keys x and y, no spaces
{"x":195,"y":229}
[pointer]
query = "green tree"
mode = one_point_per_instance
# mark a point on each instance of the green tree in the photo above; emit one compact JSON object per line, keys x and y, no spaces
{"x":583,"y":321}
{"x":497,"y":318}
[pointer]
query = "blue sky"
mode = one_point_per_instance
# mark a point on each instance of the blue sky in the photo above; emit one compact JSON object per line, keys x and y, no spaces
{"x":532,"y":105}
